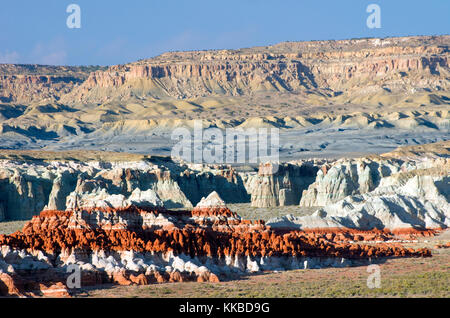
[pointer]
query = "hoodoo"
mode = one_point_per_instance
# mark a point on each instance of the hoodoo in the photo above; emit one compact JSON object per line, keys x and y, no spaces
{"x":143,"y":245}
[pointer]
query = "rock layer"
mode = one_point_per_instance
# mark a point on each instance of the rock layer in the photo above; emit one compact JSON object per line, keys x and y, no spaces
{"x":29,"y":187}
{"x":280,"y":184}
{"x":367,"y":84}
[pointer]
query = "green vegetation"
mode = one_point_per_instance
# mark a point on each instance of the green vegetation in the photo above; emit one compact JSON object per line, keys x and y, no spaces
{"x":431,"y":284}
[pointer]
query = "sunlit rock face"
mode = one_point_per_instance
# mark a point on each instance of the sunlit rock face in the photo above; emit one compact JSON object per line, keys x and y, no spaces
{"x":421,"y":202}
{"x":280,"y":184}
{"x":345,"y":177}
{"x":30,"y":187}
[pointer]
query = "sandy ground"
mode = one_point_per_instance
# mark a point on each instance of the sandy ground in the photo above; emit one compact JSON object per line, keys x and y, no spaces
{"x":10,"y":227}
{"x":316,"y":142}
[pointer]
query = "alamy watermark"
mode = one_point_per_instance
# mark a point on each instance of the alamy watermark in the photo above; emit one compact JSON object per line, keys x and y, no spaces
{"x":374,"y":279}
{"x":74,"y":279}
{"x":374,"y":19}
{"x":74,"y":19}
{"x":226,"y":146}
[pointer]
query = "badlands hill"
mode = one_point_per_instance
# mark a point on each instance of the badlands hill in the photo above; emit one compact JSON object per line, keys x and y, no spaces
{"x":394,"y":91}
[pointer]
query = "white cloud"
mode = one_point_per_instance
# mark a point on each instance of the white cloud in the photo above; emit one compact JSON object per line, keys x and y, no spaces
{"x":51,"y":53}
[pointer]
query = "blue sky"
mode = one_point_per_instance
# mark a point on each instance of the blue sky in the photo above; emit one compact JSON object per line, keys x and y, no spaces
{"x":115,"y":32}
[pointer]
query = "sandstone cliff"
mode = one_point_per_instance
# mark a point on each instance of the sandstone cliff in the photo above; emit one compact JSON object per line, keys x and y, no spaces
{"x":349,"y":68}
{"x":24,"y":84}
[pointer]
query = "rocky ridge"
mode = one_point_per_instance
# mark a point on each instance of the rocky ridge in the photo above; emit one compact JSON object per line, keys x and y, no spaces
{"x":324,"y":68}
{"x":421,"y":202}
{"x":24,"y":84}
{"x":113,"y":223}
{"x":392,"y":86}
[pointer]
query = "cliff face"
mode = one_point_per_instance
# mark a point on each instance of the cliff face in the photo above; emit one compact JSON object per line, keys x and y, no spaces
{"x":27,"y":188}
{"x":24,"y":84}
{"x":27,"y":88}
{"x":345,"y":178}
{"x":22,"y":194}
{"x":324,"y":68}
{"x":280,"y":185}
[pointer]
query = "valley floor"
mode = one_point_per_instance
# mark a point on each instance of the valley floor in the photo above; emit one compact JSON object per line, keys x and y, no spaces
{"x":9,"y":227}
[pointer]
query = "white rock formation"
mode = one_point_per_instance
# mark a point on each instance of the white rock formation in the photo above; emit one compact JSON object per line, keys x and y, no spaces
{"x":98,"y":199}
{"x":213,"y":200}
{"x":421,"y":202}
{"x":346,"y":177}
{"x":102,"y":199}
{"x":147,"y":198}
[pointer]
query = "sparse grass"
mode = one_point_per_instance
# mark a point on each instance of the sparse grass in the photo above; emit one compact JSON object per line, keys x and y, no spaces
{"x":9,"y":227}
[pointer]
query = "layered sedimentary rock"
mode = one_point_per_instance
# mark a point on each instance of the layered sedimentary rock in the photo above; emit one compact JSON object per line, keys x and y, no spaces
{"x":22,"y":194}
{"x":31,"y":83}
{"x":280,"y":184}
{"x":29,"y":187}
{"x":142,"y":245}
{"x":344,"y":68}
{"x":348,"y":67}
{"x":101,"y":199}
{"x":346,"y":177}
{"x":366,"y":84}
{"x":415,"y":201}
